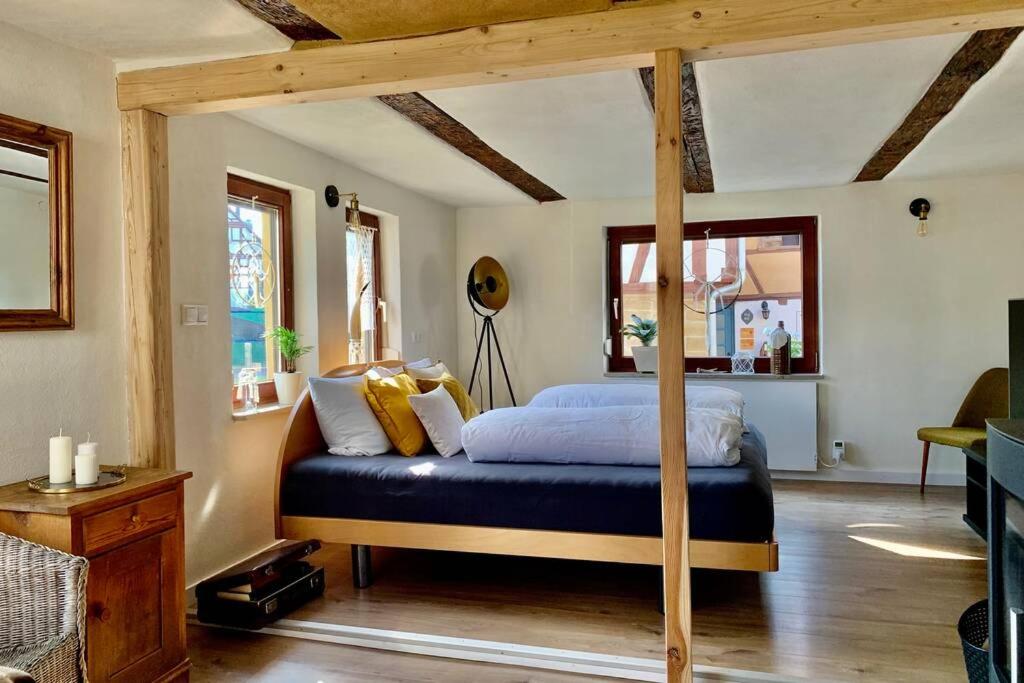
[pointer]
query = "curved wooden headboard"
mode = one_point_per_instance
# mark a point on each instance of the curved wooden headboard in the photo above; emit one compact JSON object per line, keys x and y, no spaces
{"x":302,"y":432}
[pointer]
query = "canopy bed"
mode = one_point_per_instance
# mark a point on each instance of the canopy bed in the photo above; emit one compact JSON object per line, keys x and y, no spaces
{"x":588,"y":512}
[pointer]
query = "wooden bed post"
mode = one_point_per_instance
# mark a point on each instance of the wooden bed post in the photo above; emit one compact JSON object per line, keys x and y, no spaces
{"x":668,"y":161}
{"x":147,"y":288}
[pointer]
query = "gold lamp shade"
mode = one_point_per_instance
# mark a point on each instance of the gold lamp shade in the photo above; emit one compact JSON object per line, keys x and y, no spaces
{"x":488,"y":284}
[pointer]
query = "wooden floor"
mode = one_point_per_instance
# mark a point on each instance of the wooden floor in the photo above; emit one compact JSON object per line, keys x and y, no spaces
{"x":872,"y":581}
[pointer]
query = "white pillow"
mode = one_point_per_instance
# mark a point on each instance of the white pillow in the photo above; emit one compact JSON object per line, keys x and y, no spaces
{"x":441,"y":418}
{"x":346,"y":420}
{"x":382,"y":372}
{"x":433,"y":372}
{"x":421,"y":363}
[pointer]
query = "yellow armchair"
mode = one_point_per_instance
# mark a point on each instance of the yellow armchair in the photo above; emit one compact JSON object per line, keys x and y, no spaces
{"x":988,"y":398}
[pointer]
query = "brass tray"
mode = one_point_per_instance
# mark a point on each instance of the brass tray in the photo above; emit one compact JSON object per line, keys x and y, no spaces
{"x":109,"y":476}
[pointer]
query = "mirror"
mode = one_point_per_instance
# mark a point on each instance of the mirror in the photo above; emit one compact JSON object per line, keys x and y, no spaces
{"x":36,"y":287}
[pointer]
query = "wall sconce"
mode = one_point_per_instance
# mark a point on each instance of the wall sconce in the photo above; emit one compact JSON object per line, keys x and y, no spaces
{"x":920,"y":208}
{"x":765,"y":313}
{"x":333,"y":198}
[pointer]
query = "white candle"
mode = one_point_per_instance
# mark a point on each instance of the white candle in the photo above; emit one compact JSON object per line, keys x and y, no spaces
{"x":60,"y":459}
{"x":87,"y":467}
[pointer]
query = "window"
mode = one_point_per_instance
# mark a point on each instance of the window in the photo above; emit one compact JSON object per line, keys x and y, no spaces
{"x":770,"y":265}
{"x":260,"y":277}
{"x":365,"y":307}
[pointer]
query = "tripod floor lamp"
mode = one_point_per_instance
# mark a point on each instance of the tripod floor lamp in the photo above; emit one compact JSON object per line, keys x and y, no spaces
{"x":487,"y":291}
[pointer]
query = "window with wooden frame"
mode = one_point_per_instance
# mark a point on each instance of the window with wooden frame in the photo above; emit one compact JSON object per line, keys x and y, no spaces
{"x":260,"y":280}
{"x":767,"y":267}
{"x":365,"y":305}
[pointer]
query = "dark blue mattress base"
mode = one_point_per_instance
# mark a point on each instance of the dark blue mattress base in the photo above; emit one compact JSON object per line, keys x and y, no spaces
{"x":726,"y":503}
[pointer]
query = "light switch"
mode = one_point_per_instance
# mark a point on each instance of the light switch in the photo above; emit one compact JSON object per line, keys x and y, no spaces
{"x":194,"y":314}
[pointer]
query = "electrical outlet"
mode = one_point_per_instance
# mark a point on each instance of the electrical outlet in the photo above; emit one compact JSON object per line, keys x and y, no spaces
{"x":838,"y":451}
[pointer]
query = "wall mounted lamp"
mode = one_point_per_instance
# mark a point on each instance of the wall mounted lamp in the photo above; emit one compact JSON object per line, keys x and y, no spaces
{"x":920,"y":208}
{"x":333,"y":198}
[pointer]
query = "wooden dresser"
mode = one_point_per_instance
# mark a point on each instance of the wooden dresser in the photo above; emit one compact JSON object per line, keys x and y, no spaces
{"x":133,"y":536}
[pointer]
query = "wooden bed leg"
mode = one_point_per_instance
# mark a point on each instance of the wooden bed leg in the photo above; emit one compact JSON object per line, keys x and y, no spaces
{"x":362,"y":566}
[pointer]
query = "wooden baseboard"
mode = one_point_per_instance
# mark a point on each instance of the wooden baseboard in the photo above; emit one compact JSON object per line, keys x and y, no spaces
{"x":758,"y":557}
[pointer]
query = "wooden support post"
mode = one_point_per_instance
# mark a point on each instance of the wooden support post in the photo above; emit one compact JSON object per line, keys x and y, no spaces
{"x":668,"y":160}
{"x":147,"y":288}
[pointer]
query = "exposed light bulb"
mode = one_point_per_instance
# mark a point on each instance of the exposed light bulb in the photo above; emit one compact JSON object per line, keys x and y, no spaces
{"x":355,"y":220}
{"x":922,"y":227}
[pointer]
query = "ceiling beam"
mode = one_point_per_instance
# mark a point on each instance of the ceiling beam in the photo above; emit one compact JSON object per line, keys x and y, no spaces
{"x":698,"y":176}
{"x":559,"y":46}
{"x":441,"y":125}
{"x":386,"y":19}
{"x":282,"y":15}
{"x":971,"y":62}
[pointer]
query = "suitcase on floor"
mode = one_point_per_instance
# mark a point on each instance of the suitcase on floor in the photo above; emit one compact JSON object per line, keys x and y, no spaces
{"x":264,"y":588}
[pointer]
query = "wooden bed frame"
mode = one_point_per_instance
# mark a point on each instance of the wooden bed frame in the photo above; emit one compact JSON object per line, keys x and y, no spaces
{"x":302,"y":437}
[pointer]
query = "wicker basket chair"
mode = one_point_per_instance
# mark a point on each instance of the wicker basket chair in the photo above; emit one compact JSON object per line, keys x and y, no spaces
{"x":42,"y":611}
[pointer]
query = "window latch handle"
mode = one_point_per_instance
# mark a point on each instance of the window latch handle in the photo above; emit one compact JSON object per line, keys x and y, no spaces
{"x":383,"y":306}
{"x":615,"y":308}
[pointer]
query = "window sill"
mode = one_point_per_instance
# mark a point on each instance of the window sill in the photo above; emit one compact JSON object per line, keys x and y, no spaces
{"x":269,"y":409}
{"x":720,"y":375}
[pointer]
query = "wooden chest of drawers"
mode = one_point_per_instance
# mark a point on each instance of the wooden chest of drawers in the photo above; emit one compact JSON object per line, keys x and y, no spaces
{"x":133,"y":535}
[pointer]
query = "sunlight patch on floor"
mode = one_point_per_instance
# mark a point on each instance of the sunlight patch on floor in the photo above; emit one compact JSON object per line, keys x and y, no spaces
{"x":909,"y":550}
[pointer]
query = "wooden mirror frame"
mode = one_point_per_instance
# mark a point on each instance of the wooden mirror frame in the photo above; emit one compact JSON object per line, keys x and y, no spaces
{"x":57,"y":143}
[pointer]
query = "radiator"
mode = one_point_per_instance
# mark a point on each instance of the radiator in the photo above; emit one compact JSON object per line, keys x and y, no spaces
{"x":786,"y":412}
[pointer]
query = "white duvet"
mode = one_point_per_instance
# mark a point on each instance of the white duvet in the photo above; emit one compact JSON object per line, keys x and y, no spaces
{"x":601,"y":395}
{"x":603,"y":435}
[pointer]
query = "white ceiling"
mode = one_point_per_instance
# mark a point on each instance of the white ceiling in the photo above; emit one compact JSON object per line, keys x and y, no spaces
{"x":373,"y":137}
{"x":25,"y":164}
{"x":577,"y":134}
{"x":804,"y":119}
{"x":984,"y":134}
{"x":141,"y":33}
{"x":812,"y":119}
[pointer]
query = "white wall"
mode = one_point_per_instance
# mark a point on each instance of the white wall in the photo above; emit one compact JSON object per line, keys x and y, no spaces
{"x":72,"y":378}
{"x":229,"y":502}
{"x":24,"y":246}
{"x":907,"y":323}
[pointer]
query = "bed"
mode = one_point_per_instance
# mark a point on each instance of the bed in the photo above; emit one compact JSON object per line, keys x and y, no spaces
{"x":590,"y":512}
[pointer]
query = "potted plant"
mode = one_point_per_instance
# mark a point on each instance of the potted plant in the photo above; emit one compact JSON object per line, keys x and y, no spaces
{"x":645,"y":356}
{"x":289,"y":382}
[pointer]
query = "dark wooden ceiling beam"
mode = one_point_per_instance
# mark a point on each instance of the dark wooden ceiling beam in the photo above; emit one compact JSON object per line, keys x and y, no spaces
{"x":971,"y":62}
{"x":698,"y":176}
{"x":282,"y":15}
{"x":441,"y":125}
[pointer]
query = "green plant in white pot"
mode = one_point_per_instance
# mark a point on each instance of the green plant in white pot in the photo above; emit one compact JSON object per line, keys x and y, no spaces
{"x":289,"y":382}
{"x":646,"y":355}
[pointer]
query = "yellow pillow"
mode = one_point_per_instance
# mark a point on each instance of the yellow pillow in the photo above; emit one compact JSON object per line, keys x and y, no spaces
{"x":458,"y":392}
{"x":389,"y":399}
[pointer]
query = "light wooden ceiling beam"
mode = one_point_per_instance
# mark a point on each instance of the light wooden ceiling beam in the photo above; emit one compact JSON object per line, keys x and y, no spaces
{"x":698,"y":177}
{"x":971,"y":62}
{"x":559,"y":46}
{"x":424,"y":113}
{"x":386,"y":19}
